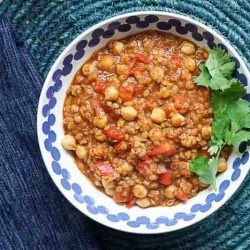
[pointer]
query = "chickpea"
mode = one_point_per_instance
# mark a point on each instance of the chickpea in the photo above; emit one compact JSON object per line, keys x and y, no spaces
{"x":122,"y":69}
{"x":189,"y":141}
{"x":89,"y":69}
{"x":157,"y":74}
{"x":81,"y":152}
{"x":139,"y":191}
{"x":155,"y":134}
{"x":77,"y":118}
{"x":113,"y":81}
{"x":117,"y":47}
{"x":189,"y":63}
{"x":188,"y":48}
{"x":128,"y":113}
{"x":206,"y":132}
{"x":164,"y":92}
{"x":109,"y":192}
{"x":107,"y":184}
{"x":74,"y":108}
{"x":144,"y":202}
{"x":100,"y":121}
{"x":177,"y":120}
{"x":124,"y":168}
{"x":111,"y":94}
{"x":100,"y":137}
{"x":69,"y":142}
{"x":222,"y":166}
{"x":106,"y":63}
{"x":169,"y":192}
{"x":158,"y":115}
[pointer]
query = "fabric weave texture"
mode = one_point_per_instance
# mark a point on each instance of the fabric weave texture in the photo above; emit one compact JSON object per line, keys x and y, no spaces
{"x":33,"y":214}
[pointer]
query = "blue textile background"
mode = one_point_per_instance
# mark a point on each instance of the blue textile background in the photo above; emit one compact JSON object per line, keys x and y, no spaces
{"x":33,"y":214}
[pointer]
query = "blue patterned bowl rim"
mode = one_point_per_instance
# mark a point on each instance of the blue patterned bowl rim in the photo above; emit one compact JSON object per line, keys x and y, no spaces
{"x":135,"y":220}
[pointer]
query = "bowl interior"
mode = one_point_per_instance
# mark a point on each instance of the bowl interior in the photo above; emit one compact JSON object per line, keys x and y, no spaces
{"x":60,"y":164}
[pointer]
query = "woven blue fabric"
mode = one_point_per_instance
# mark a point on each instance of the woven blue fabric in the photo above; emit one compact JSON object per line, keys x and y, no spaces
{"x":47,"y":26}
{"x":33,"y":213}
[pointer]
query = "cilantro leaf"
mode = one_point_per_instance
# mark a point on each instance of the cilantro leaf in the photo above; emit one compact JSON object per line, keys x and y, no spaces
{"x":198,"y":165}
{"x":239,"y":114}
{"x":210,"y":175}
{"x":220,"y":125}
{"x":219,"y":63}
{"x":214,"y":149}
{"x":231,"y":122}
{"x":205,"y":169}
{"x":204,"y":78}
{"x":221,"y":99}
{"x":217,"y":71}
{"x":238,"y":137}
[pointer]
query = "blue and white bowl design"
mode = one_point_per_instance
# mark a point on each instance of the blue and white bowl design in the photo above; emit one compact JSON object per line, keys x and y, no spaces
{"x":60,"y":164}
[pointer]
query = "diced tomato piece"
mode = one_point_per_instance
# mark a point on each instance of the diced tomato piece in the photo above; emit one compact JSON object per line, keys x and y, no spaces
{"x":111,"y":112}
{"x":126,"y":94}
{"x":181,"y":196}
{"x":147,"y":167}
{"x":136,"y":70}
{"x":132,"y":202}
{"x":176,"y":59}
{"x":121,"y":196}
{"x":165,"y":178}
{"x":164,"y":149}
{"x":181,"y":103}
{"x":104,"y":168}
{"x":141,"y":58}
{"x":99,"y":87}
{"x":97,"y":107}
{"x":114,"y":133}
{"x":167,"y":110}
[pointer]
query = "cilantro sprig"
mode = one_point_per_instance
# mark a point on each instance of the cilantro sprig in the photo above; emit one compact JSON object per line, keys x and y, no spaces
{"x":231,"y":122}
{"x":217,"y":70}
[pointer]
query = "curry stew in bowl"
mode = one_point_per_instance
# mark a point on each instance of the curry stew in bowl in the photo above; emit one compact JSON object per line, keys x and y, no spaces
{"x":134,"y":119}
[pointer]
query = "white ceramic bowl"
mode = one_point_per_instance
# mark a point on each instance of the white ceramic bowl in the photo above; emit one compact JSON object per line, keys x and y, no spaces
{"x":60,"y":164}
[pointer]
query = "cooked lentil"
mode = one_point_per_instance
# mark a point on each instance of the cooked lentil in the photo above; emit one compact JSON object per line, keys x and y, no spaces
{"x":134,"y":119}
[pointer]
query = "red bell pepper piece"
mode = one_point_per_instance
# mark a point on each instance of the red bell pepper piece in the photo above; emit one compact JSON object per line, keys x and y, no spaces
{"x":141,"y":58}
{"x":114,"y":133}
{"x":181,"y":196}
{"x":147,"y":167}
{"x":97,"y":108}
{"x":164,"y":149}
{"x":111,"y":112}
{"x":132,"y":202}
{"x":167,"y":110}
{"x":165,"y":178}
{"x":176,"y":59}
{"x":121,"y":196}
{"x":126,"y":94}
{"x":99,"y":87}
{"x":136,"y":70}
{"x":104,"y":168}
{"x":181,"y":103}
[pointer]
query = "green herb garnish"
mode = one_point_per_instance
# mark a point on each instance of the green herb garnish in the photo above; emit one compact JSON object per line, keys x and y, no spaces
{"x":217,"y":70}
{"x":231,"y":121}
{"x":206,"y":169}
